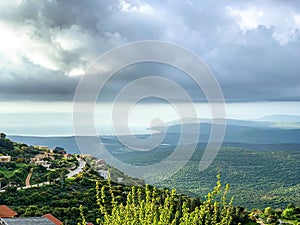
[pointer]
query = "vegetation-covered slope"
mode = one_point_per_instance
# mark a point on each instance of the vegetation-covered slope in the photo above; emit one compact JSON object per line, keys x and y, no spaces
{"x":23,"y":159}
{"x":258,"y":179}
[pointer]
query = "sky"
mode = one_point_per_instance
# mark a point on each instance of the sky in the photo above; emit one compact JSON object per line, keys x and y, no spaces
{"x":46,"y":47}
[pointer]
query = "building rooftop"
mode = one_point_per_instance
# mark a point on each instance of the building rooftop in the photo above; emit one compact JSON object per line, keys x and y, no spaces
{"x":53,"y":219}
{"x":26,"y":221}
{"x":6,"y":212}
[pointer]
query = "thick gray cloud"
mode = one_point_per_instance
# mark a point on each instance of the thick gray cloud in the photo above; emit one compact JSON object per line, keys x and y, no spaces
{"x":252,"y":47}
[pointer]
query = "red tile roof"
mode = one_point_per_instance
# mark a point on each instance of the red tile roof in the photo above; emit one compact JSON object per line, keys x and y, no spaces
{"x":6,"y":212}
{"x":53,"y":219}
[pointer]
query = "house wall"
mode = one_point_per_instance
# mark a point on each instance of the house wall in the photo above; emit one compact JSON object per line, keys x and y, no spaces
{"x":5,"y":158}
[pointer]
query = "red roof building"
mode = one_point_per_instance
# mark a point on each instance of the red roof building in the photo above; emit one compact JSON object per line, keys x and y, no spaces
{"x":6,"y":212}
{"x":53,"y":219}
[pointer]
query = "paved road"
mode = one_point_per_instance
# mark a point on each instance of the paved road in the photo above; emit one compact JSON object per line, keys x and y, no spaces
{"x":27,"y":181}
{"x":34,"y":185}
{"x":78,"y":169}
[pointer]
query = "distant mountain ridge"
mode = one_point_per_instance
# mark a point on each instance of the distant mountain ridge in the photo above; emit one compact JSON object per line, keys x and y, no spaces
{"x":255,"y":133}
{"x":240,"y":135}
{"x":268,"y":131}
{"x":276,"y":121}
{"x":280,"y":118}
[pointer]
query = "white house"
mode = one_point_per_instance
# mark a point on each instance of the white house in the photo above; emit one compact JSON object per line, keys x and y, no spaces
{"x":5,"y":158}
{"x":103,"y":173}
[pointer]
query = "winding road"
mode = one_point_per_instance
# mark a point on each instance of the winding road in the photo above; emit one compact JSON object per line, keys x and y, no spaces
{"x":77,"y":170}
{"x":27,"y":181}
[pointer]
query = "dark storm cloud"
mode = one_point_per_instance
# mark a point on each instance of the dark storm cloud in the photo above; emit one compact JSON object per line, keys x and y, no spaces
{"x":260,"y":69}
{"x":46,"y":45}
{"x":61,"y":88}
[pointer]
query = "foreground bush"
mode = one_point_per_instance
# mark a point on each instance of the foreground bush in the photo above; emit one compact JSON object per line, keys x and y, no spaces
{"x":156,"y":207}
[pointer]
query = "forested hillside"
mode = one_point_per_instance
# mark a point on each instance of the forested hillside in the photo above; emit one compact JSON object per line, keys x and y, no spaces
{"x":258,"y":180}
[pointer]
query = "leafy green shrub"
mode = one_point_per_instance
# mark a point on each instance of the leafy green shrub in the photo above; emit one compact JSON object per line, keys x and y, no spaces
{"x":288,"y":213}
{"x":152,"y":206}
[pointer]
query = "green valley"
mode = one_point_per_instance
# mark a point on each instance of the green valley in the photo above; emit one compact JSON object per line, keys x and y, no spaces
{"x":258,"y":178}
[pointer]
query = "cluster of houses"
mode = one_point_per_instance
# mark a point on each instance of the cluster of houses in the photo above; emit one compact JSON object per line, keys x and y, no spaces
{"x":9,"y":217}
{"x":41,"y":159}
{"x":48,"y":153}
{"x":44,"y":159}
